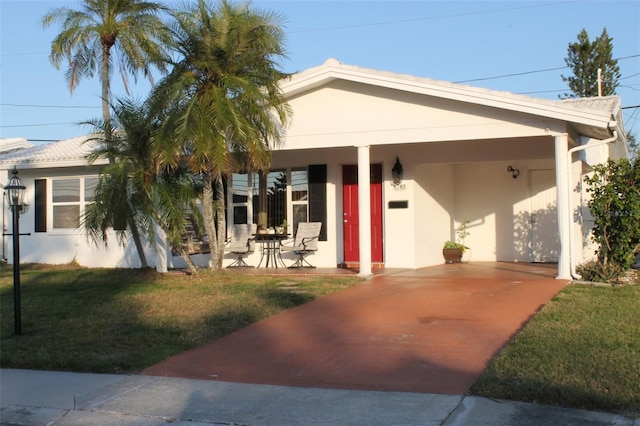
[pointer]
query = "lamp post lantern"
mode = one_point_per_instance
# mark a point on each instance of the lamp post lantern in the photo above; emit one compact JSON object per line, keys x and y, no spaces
{"x":15,"y":193}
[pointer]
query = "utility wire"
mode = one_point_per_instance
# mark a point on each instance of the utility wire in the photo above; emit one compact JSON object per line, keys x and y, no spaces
{"x":50,"y":106}
{"x":510,"y":75}
{"x":428,"y":18}
{"x":538,"y":71}
{"x":455,"y":82}
{"x":37,"y":125}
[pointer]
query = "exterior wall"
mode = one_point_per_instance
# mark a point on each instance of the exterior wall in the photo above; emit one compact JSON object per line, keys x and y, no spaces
{"x":440,"y":195}
{"x":65,"y":246}
{"x":345,"y":114}
{"x":498,"y":208}
{"x":585,"y":248}
{"x":434,"y":202}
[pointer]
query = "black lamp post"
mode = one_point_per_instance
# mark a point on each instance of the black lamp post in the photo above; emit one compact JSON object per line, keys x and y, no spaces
{"x":15,"y":193}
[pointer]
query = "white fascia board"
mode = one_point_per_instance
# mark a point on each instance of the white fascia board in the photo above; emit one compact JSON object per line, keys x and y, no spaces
{"x":316,"y":77}
{"x":56,"y":164}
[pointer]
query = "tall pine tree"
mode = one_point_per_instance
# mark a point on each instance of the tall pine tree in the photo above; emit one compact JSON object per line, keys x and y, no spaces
{"x":584,"y":58}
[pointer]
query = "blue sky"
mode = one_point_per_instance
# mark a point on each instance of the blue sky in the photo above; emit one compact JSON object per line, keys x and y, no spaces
{"x":480,"y":43}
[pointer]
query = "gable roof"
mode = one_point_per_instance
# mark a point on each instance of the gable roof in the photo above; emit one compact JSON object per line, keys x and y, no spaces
{"x":589,"y":112}
{"x":65,"y":153}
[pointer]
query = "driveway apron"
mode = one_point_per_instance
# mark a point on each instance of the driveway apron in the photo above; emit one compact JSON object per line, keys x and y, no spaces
{"x":432,"y":330}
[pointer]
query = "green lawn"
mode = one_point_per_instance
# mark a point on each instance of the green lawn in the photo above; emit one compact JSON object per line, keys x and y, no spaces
{"x":582,"y":350}
{"x":120,"y":320}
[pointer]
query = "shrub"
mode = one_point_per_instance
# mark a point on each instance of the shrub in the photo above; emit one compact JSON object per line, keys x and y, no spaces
{"x":615,"y":206}
{"x":596,"y":271}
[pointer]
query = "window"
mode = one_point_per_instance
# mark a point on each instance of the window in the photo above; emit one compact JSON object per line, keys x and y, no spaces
{"x":240,"y":198}
{"x":262,"y":199}
{"x":299,"y":196}
{"x":68,"y":197}
{"x":90,"y":185}
{"x":270,"y":198}
{"x":293,"y":195}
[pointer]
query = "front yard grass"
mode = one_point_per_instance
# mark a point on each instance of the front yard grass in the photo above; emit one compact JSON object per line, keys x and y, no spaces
{"x":582,"y":350}
{"x":122,"y":320}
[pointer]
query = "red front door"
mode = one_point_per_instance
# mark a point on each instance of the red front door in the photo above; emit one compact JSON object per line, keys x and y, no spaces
{"x":351,"y":218}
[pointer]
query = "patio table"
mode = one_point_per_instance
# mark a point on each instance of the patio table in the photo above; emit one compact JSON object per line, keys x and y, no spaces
{"x":271,"y":253}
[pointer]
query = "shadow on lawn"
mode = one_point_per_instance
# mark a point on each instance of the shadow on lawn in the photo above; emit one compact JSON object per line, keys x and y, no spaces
{"x":120,"y":320}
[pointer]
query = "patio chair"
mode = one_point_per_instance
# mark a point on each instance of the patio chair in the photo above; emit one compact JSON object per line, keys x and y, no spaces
{"x":305,"y":243}
{"x":242,"y":243}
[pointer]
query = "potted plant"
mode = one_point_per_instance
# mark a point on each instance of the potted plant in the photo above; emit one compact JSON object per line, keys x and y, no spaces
{"x":453,"y":250}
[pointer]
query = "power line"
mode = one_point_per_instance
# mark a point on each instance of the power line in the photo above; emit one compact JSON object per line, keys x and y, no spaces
{"x":373,"y":24}
{"x":510,"y":75}
{"x":50,"y":106}
{"x":429,"y":18}
{"x":537,"y":71}
{"x":455,"y":82}
{"x":630,"y":76}
{"x":37,"y":125}
{"x":24,"y":53}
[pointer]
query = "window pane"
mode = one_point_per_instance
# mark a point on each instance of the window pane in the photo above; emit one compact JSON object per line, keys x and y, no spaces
{"x":299,"y":215}
{"x":66,"y":216}
{"x":66,"y":190}
{"x":239,"y":215}
{"x":240,"y":182}
{"x":299,"y":185}
{"x":276,"y":198}
{"x":90,"y":189}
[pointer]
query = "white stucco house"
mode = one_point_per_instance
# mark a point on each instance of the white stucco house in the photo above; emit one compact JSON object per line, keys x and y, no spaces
{"x":511,"y":165}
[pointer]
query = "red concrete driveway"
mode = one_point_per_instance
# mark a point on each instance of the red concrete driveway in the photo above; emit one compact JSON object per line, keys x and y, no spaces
{"x":433,"y":330}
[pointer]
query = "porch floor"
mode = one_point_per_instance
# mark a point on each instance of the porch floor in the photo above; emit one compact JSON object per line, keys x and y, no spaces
{"x":430,"y":330}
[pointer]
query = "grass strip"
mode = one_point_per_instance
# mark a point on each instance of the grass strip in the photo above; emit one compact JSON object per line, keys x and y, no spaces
{"x":582,"y":350}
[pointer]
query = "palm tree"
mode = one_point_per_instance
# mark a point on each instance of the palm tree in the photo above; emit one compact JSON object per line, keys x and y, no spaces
{"x":223,"y":100}
{"x":122,"y":198}
{"x":133,"y":192}
{"x":132,"y":27}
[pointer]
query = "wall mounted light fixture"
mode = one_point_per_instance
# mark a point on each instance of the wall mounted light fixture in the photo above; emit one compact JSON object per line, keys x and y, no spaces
{"x":397,"y":171}
{"x":514,"y":172}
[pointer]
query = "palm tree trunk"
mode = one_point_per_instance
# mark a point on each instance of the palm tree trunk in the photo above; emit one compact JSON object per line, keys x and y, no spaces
{"x":190,"y":265}
{"x":104,"y":79}
{"x":209,"y":224}
{"x":106,"y":91}
{"x":137,"y":240}
{"x":222,"y":225}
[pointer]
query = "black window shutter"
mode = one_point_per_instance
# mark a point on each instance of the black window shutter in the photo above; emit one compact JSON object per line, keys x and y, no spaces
{"x":40,"y":208}
{"x":318,"y":197}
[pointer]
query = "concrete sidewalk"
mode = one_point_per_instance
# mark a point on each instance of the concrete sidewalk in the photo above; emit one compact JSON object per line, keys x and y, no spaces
{"x":57,"y":398}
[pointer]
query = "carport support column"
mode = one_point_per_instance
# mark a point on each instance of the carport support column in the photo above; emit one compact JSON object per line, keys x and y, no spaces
{"x":564,"y":215}
{"x":162,"y":247}
{"x":364,"y":211}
